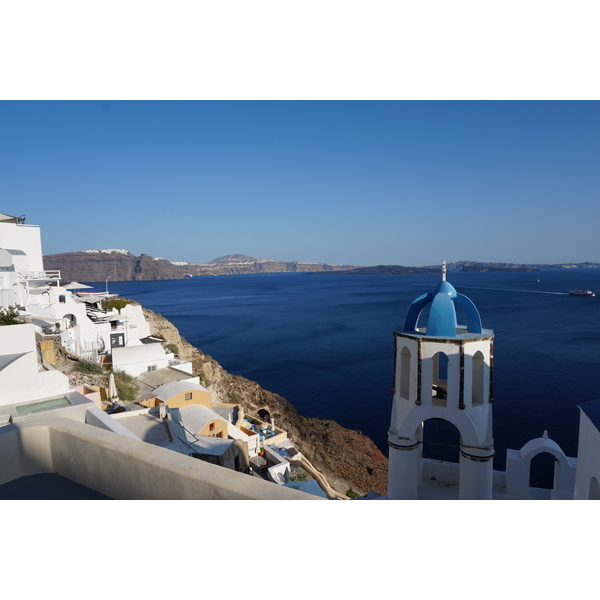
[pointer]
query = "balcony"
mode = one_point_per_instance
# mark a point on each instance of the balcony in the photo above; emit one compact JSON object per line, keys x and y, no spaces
{"x":40,"y":276}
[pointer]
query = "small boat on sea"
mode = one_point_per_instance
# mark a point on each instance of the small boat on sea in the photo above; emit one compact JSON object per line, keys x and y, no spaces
{"x":581,"y":293}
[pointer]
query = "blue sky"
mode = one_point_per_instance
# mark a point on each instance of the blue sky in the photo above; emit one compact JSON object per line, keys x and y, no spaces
{"x":355,"y":182}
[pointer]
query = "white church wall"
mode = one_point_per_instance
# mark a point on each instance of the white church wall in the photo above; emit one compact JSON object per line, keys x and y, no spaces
{"x":588,"y":463}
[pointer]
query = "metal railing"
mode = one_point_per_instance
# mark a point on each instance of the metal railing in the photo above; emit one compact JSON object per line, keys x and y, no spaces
{"x":39,"y":275}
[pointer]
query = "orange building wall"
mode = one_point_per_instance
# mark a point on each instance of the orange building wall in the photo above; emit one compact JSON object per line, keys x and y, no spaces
{"x":198,"y":397}
{"x":219,"y":427}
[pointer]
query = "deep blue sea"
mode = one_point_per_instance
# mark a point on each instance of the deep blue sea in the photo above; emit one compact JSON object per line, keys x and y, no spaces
{"x":325,"y":343}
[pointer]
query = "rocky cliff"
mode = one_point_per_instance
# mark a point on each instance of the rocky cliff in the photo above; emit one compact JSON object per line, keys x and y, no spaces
{"x":114,"y":265}
{"x":240,"y":264}
{"x":389,"y":270}
{"x":121,"y":265}
{"x":347,"y":458}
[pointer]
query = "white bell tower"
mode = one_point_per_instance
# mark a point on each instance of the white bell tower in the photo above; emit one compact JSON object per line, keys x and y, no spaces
{"x":442,"y":370}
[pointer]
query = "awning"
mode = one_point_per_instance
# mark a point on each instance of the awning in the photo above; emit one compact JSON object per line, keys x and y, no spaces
{"x":9,"y":219}
{"x":74,"y":285}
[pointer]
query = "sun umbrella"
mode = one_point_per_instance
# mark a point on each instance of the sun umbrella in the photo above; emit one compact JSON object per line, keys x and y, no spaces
{"x":74,"y":285}
{"x":113,"y":394}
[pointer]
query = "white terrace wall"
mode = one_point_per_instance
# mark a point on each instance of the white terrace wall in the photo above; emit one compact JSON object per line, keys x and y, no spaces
{"x":26,"y":238}
{"x":20,"y":380}
{"x":134,"y":360}
{"x":123,"y":468}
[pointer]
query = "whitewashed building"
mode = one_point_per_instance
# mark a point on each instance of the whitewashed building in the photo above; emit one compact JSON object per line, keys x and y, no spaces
{"x":85,"y":328}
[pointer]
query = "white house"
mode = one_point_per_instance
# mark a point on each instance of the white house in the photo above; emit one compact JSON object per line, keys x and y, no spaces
{"x":85,"y":328}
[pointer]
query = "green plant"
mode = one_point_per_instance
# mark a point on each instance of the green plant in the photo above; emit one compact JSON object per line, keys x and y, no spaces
{"x":204,"y":380}
{"x":88,"y":368}
{"x":9,"y":316}
{"x":126,"y":386}
{"x":117,"y":303}
{"x":351,"y":493}
{"x":173,"y":348}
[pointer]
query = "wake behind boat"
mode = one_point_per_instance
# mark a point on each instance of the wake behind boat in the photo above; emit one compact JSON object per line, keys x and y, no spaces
{"x":581,"y":293}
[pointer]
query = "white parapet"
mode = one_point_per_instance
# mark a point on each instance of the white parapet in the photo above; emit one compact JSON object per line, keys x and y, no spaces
{"x":123,"y":468}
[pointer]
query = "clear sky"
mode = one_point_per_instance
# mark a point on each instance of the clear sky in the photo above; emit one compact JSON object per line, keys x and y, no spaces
{"x":355,"y":182}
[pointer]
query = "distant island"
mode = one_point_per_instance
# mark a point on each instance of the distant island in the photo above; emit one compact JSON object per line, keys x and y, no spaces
{"x":467,"y":265}
{"x":481,"y":269}
{"x":464,"y":266}
{"x":388,"y":270}
{"x":122,"y":265}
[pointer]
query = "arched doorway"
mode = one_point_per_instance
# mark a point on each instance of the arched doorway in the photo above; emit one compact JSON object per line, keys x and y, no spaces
{"x":541,"y":471}
{"x":441,"y":440}
{"x":440,"y":460}
{"x":71,"y":320}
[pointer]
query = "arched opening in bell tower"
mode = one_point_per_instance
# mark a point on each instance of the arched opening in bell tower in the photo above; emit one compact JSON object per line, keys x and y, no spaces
{"x":439,"y":383}
{"x":405,"y":373}
{"x":478,"y":377}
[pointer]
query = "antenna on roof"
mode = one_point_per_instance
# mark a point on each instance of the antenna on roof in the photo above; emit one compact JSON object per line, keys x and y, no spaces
{"x":443,"y":270}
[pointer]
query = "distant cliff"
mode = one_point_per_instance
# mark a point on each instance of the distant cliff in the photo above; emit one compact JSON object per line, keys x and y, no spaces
{"x":481,"y":269}
{"x":468,"y":265}
{"x":240,"y":264}
{"x":389,"y":270}
{"x":121,"y":265}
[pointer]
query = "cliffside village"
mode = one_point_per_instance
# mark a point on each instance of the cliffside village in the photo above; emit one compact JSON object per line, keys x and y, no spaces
{"x":177,"y":440}
{"x":66,"y":322}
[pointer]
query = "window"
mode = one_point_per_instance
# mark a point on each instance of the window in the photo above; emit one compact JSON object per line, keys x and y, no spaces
{"x":117,"y":340}
{"x":188,"y":396}
{"x":211,"y":427}
{"x":62,"y":299}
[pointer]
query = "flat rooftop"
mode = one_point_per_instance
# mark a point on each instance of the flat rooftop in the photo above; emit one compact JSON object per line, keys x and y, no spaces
{"x":47,"y":486}
{"x":149,"y":380}
{"x":148,"y":428}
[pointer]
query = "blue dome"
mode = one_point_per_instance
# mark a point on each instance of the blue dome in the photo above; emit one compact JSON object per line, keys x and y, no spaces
{"x":442,"y":315}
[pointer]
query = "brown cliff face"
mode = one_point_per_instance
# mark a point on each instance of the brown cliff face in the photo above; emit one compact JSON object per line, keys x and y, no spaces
{"x":347,"y":458}
{"x":120,"y":265}
{"x":111,"y":266}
